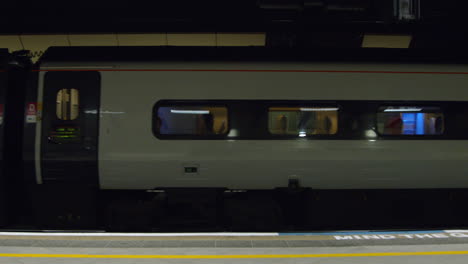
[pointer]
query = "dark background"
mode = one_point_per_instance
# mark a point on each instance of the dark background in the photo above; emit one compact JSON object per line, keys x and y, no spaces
{"x":329,"y":23}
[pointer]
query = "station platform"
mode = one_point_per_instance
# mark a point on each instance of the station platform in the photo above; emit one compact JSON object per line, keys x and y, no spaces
{"x":422,"y":246}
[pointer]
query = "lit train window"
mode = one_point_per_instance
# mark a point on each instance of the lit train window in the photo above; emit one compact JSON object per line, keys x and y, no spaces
{"x":192,"y":120}
{"x":410,"y":120}
{"x":303,"y":121}
{"x":67,"y":104}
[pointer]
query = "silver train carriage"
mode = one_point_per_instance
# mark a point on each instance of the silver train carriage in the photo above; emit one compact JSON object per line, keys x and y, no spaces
{"x":244,"y":119}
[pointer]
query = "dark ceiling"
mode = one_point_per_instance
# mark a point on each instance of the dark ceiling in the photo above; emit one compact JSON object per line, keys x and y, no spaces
{"x":434,"y":20}
{"x":234,"y":15}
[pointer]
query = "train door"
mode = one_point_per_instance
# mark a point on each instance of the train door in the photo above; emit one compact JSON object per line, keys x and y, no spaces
{"x":68,"y":172}
{"x":69,"y":135}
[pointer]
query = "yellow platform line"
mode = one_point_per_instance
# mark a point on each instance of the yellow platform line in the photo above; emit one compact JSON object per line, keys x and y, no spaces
{"x":330,"y":255}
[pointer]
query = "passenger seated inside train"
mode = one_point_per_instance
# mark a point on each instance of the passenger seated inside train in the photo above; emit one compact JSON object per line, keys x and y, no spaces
{"x":303,"y":121}
{"x":410,"y":121}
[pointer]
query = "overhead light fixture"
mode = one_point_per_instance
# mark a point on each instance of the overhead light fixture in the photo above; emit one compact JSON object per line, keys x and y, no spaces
{"x":403,"y":110}
{"x":193,"y":112}
{"x":407,"y":10}
{"x":314,"y":109}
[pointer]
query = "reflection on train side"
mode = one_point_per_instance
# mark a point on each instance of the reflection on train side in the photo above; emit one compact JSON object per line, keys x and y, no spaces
{"x":410,"y":121}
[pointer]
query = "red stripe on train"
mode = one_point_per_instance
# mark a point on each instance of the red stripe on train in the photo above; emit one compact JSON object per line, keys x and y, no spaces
{"x":240,"y":70}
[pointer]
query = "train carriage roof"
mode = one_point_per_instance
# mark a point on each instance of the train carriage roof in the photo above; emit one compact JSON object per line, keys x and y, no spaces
{"x":172,"y":53}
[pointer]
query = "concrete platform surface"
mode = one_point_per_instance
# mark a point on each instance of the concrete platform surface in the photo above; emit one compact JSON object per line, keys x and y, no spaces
{"x":434,"y":246}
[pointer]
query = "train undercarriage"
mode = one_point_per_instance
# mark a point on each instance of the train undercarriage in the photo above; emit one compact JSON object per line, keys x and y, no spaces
{"x":283,"y":209}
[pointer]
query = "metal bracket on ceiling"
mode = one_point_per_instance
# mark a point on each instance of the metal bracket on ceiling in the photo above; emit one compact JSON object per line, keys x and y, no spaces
{"x":407,"y":10}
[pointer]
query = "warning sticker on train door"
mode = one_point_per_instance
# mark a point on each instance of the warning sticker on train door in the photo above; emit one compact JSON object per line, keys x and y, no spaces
{"x":31,"y":113}
{"x":1,"y":114}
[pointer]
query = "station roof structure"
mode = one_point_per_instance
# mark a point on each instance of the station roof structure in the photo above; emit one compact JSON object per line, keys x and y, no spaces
{"x":293,"y":23}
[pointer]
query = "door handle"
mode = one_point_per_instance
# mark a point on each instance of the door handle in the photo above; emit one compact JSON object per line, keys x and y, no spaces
{"x":88,"y":143}
{"x":52,"y":141}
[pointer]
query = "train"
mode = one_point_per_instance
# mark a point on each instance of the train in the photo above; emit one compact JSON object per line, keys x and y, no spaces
{"x":3,"y":86}
{"x":251,"y":138}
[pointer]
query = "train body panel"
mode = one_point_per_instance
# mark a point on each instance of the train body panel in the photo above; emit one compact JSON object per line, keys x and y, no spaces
{"x":130,"y":156}
{"x":314,"y":165}
{"x":3,"y":93}
{"x":3,"y":88}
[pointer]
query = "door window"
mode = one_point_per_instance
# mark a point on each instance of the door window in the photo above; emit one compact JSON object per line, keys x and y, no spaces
{"x":67,"y":104}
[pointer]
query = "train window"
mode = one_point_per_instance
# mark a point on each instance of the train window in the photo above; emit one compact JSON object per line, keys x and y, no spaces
{"x":67,"y":104}
{"x":192,"y":120}
{"x":303,"y":121}
{"x":410,"y":120}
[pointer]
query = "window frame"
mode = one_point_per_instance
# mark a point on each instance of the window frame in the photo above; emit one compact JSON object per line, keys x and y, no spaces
{"x":355,"y":118}
{"x":403,"y":136}
{"x":183,"y":103}
{"x":69,"y":114}
{"x":304,"y":104}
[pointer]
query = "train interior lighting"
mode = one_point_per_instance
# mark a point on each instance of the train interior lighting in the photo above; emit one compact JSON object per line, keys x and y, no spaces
{"x":410,"y":121}
{"x":303,"y":121}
